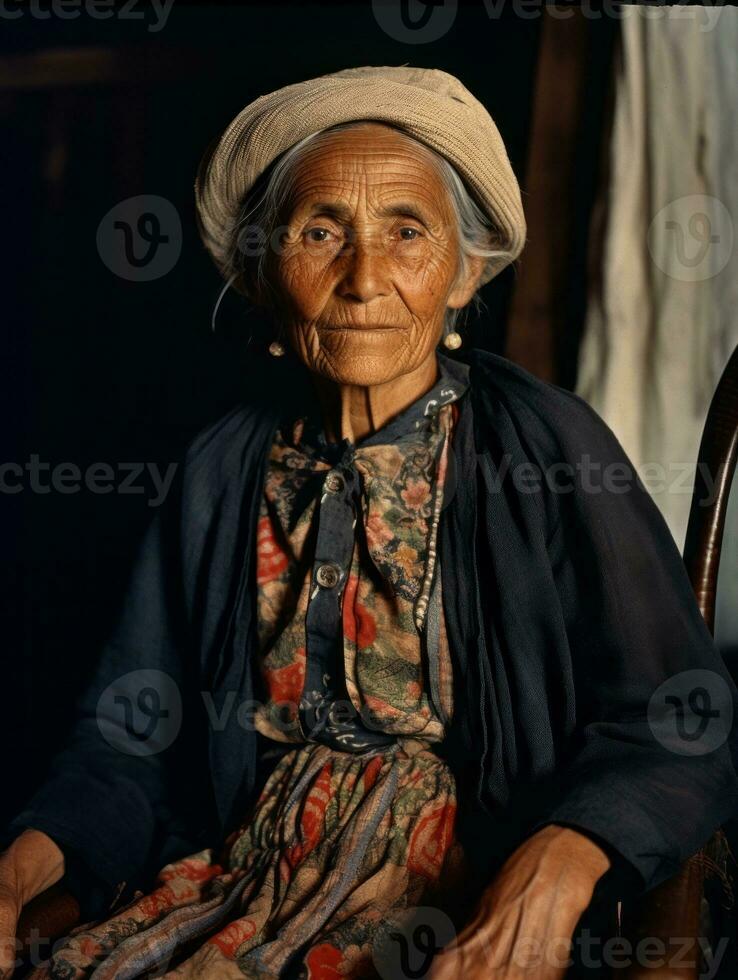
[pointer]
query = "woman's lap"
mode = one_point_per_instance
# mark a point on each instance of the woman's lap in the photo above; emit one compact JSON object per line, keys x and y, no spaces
{"x":336,"y":844}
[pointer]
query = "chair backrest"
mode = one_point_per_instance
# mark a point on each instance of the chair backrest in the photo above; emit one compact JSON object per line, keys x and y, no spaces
{"x":674,"y":907}
{"x":717,"y":458}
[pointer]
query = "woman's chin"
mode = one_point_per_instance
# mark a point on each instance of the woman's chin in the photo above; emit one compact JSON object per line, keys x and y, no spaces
{"x":366,"y":357}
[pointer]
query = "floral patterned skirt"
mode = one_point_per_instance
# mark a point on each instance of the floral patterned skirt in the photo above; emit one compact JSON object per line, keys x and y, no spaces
{"x":335,"y":846}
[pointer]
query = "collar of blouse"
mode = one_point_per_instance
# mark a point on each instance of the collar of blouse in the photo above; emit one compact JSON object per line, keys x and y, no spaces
{"x":307,"y":428}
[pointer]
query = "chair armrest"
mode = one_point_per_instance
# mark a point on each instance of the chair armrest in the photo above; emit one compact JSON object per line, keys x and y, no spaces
{"x":663,"y":927}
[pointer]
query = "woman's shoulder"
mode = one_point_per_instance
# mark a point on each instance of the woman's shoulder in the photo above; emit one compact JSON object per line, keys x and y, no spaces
{"x":231,"y":431}
{"x":224,"y":454}
{"x":493,"y":373}
{"x":547,"y":416}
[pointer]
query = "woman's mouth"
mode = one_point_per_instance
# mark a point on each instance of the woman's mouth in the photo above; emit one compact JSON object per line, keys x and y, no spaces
{"x":360,"y":327}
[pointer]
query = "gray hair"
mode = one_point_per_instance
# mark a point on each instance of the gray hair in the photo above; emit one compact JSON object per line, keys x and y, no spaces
{"x":264,"y":206}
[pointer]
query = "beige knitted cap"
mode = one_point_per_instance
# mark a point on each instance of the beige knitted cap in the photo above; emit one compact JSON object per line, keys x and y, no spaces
{"x":428,"y":104}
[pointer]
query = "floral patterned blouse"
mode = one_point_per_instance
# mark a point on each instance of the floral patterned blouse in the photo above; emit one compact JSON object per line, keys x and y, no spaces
{"x":348,"y":581}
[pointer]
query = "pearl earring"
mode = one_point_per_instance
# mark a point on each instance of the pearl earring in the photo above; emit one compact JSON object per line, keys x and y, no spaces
{"x":452,"y":341}
{"x":276,"y":349}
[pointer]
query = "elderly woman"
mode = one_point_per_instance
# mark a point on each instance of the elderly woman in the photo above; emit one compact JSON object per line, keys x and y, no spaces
{"x":398,"y":644}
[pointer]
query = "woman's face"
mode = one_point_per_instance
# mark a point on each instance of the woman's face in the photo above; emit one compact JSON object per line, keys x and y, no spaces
{"x":370,"y":258}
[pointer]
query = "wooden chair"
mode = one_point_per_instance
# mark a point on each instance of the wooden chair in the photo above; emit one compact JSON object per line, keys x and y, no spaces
{"x":674,"y":908}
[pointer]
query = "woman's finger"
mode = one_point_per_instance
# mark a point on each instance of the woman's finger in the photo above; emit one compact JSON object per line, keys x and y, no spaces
{"x":8,"y":925}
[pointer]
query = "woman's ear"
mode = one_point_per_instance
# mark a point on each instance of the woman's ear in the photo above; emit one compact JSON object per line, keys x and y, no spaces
{"x":467,"y":284}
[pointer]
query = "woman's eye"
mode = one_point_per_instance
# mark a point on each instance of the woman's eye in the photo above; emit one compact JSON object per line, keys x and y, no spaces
{"x":318,"y":234}
{"x":409,"y":234}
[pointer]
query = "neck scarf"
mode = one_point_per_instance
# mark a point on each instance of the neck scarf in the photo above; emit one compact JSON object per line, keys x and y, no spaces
{"x":394,"y":649}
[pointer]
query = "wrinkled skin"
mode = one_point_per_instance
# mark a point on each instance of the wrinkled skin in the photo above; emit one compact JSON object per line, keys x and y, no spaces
{"x":369,"y":265}
{"x":524,"y":921}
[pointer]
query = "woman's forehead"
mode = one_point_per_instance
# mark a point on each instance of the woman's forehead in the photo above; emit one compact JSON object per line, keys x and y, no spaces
{"x":375,"y":160}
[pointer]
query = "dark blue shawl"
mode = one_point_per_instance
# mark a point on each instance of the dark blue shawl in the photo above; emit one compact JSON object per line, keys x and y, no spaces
{"x":566,"y":612}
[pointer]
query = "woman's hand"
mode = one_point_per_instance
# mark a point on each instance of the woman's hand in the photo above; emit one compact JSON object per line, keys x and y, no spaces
{"x":524,"y":921}
{"x":32,"y":863}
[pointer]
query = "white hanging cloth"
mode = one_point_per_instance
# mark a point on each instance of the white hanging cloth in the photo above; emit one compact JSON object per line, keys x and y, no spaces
{"x":663,"y":320}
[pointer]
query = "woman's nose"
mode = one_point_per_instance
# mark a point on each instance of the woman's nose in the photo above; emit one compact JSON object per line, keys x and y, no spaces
{"x":366,"y":272}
